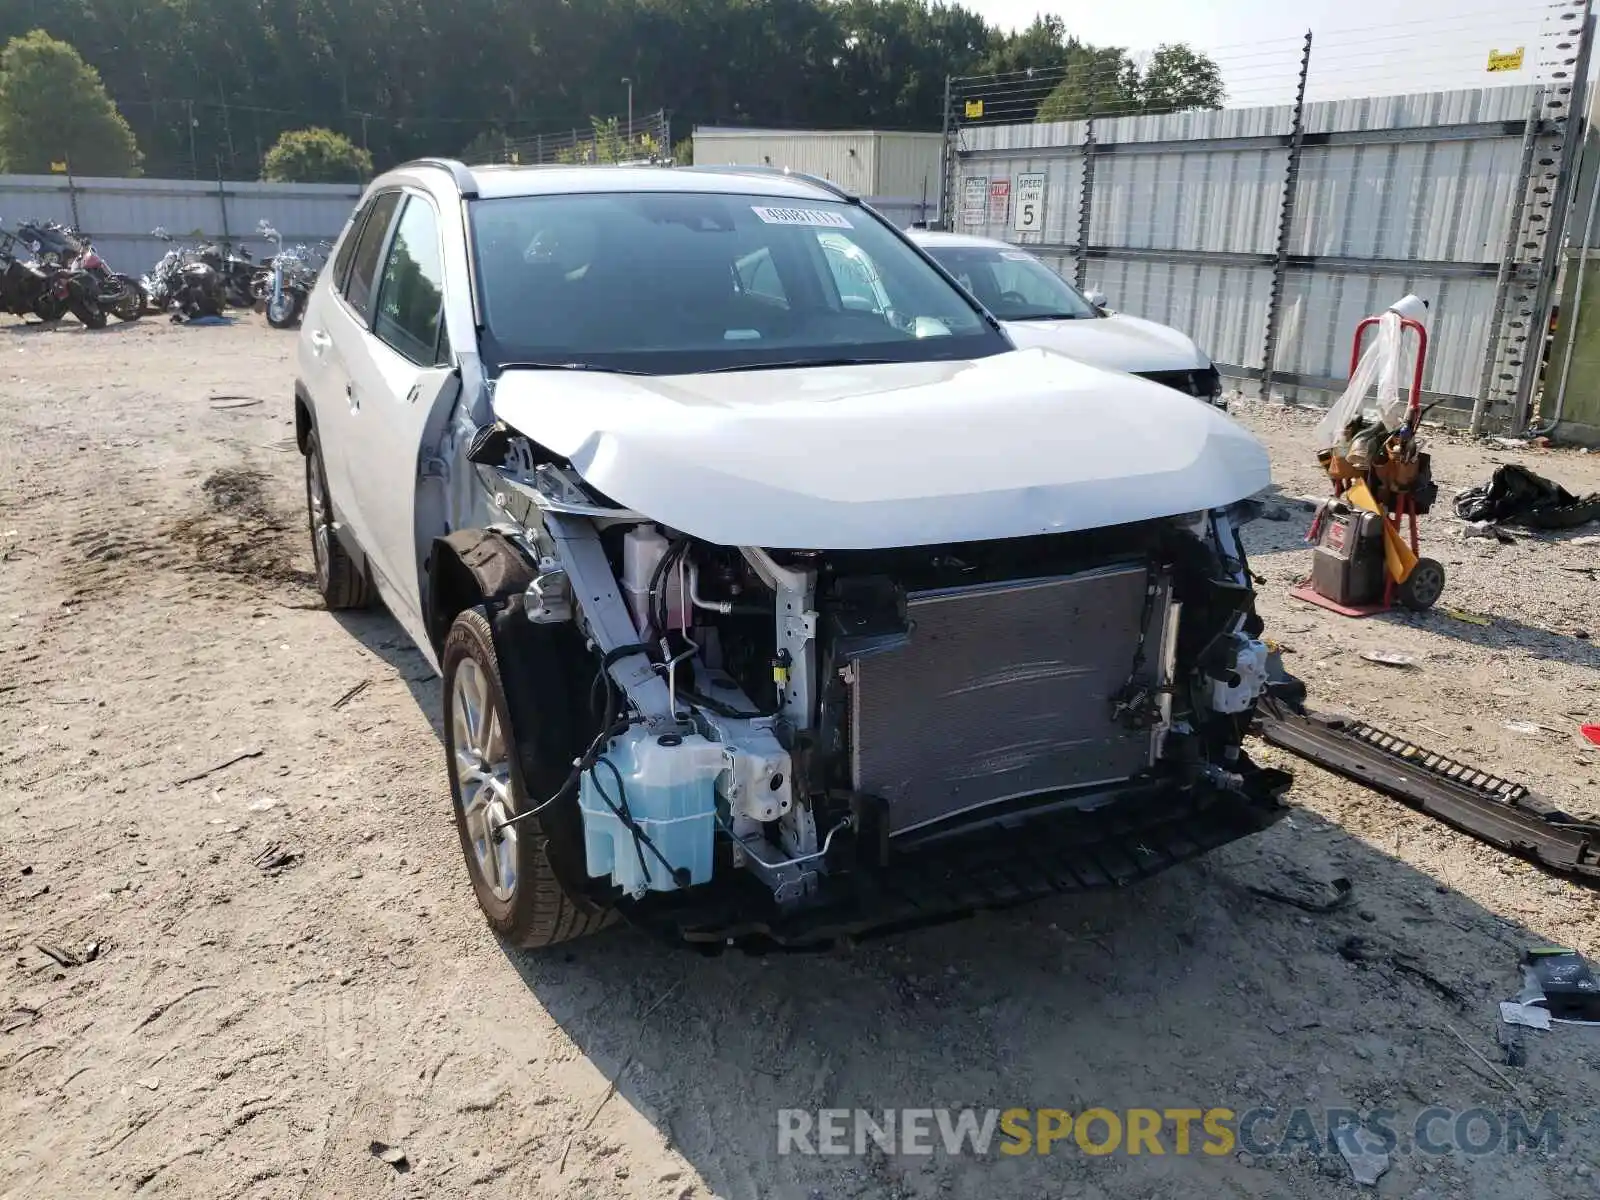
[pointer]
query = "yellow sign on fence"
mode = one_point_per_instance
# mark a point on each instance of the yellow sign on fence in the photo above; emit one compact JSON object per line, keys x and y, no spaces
{"x":974,"y":110}
{"x":58,"y":168}
{"x":1511,"y":60}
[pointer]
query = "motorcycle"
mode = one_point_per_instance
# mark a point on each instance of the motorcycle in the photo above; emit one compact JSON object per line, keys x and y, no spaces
{"x":50,"y":242}
{"x":120,"y":295}
{"x":26,"y":286}
{"x":80,"y":292}
{"x":236,"y":270}
{"x":184,"y":284}
{"x":284,"y":284}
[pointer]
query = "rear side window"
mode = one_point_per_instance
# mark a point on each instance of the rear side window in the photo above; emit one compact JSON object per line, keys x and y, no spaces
{"x":347,"y":249}
{"x":364,"y":264}
{"x":411,"y":293}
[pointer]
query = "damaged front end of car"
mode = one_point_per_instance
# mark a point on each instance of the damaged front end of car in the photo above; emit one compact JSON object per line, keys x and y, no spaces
{"x":795,"y":745}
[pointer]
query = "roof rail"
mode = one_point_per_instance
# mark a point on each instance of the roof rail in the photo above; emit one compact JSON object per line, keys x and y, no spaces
{"x":464,"y":181}
{"x":815,"y":180}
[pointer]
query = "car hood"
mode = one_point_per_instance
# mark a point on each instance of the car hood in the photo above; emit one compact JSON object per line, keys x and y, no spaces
{"x":1020,"y":443}
{"x":1118,"y":342}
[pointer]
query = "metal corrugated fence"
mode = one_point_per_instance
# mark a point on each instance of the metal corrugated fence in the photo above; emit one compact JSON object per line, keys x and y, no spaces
{"x":1268,"y":231}
{"x":118,"y":214}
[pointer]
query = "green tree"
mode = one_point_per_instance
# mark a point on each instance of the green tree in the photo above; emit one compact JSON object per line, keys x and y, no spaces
{"x":1098,"y":81}
{"x":203,"y":82}
{"x":54,"y":108}
{"x":895,"y":54}
{"x":316,"y":156}
{"x":610,"y":145}
{"x":1105,"y":82}
{"x":490,"y":146}
{"x":1176,"y":79}
{"x":1040,"y":46}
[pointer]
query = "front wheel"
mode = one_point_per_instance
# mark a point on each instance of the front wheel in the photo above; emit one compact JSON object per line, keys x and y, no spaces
{"x":284,"y":310}
{"x":89,"y":313}
{"x":50,"y":308}
{"x":504,"y":756}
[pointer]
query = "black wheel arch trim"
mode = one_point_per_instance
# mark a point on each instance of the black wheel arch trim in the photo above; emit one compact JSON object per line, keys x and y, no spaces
{"x":471,"y":567}
{"x":304,"y":418}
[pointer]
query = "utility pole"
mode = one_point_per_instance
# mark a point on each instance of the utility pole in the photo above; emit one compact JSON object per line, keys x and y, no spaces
{"x":628,"y":83}
{"x":194,"y":161}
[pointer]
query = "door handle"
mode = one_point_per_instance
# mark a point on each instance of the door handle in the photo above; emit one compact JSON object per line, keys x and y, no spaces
{"x":350,"y":397}
{"x":414,"y":394}
{"x":320,"y":341}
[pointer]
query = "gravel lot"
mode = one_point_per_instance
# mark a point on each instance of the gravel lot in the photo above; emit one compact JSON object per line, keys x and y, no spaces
{"x":243,"y":1031}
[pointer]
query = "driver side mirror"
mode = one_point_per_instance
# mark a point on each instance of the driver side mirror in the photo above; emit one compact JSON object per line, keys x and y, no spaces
{"x":1096,"y":298}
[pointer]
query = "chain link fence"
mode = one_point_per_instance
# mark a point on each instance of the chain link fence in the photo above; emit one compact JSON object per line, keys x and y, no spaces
{"x":646,"y":138}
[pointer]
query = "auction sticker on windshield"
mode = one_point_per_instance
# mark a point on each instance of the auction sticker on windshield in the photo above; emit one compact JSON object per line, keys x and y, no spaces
{"x":803,"y":216}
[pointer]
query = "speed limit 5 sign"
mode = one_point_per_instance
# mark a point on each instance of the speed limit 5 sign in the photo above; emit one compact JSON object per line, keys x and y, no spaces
{"x":1029,"y":205}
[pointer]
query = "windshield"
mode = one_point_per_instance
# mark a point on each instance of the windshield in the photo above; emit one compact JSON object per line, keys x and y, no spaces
{"x":677,"y":283}
{"x":1013,"y":284}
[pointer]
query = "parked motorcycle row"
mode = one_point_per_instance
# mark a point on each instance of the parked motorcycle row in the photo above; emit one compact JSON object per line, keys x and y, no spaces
{"x":48,"y":271}
{"x":205,"y":280}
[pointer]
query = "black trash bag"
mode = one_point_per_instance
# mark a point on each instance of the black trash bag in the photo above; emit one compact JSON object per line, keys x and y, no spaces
{"x":1516,"y":496}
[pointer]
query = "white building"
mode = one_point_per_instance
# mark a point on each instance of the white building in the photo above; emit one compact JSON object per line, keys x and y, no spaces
{"x":896,"y":172}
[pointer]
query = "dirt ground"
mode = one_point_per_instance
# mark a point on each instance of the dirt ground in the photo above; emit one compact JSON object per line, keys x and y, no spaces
{"x":284,"y":963}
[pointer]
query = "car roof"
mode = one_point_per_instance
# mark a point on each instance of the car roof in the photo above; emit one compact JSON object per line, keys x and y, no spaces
{"x":934,"y":237}
{"x":494,"y":182}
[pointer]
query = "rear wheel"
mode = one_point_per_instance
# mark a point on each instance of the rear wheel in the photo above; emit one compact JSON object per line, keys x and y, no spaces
{"x":130,"y":303}
{"x":341,"y":583}
{"x":50,"y":308}
{"x":508,"y":737}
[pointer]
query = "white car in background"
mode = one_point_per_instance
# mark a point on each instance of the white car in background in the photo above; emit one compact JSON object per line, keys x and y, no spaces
{"x":1041,"y":309}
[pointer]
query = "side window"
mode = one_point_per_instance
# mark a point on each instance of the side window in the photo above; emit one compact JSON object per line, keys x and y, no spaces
{"x":347,"y":248}
{"x":1013,"y":279}
{"x":853,"y":275}
{"x":364,"y":265}
{"x":411,"y":292}
{"x":758,"y":276}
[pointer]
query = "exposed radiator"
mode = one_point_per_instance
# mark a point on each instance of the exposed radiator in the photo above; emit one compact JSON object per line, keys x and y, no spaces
{"x":1006,"y":691}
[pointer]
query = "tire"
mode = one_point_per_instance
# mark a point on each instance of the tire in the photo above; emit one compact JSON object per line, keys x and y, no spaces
{"x":50,"y":308}
{"x":90,"y":315}
{"x":1424,"y":586}
{"x":285,"y":313}
{"x":130,"y":305}
{"x":340,"y":582}
{"x":528,"y":881}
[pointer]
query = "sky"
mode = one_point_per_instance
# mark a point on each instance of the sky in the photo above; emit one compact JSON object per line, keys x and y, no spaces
{"x":1360,"y":47}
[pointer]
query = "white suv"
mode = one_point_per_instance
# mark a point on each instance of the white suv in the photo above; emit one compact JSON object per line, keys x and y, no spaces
{"x":775,"y":592}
